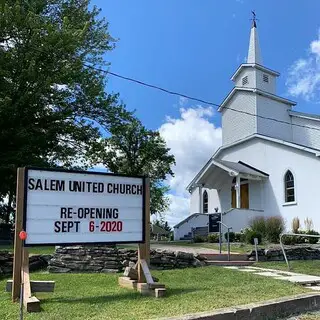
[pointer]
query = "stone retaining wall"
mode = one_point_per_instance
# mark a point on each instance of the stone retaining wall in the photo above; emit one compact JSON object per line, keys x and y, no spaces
{"x":300,"y":252}
{"x":36,"y":262}
{"x":106,"y":259}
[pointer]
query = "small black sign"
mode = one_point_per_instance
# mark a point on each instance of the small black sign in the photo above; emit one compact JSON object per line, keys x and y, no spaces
{"x":214,"y":218}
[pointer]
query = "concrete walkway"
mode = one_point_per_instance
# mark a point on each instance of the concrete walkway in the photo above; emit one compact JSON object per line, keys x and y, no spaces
{"x":310,"y":282}
{"x":194,"y":250}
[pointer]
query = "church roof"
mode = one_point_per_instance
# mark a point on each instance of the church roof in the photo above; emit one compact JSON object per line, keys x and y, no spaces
{"x":255,"y":90}
{"x":309,"y":116}
{"x":254,"y":65}
{"x":315,"y":152}
{"x":254,"y":54}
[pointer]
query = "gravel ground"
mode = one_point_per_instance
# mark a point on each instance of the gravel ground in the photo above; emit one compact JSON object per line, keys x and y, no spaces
{"x":307,"y":316}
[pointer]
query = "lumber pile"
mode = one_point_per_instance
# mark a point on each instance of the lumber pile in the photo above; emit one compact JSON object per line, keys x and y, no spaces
{"x":149,"y":288}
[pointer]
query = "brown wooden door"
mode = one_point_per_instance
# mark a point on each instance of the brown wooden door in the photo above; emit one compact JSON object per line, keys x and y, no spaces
{"x":244,"y":196}
{"x":233,"y":198}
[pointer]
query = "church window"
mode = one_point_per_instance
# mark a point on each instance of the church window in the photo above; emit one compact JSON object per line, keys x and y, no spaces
{"x":205,"y":202}
{"x":289,"y":187}
{"x":245,"y":80}
{"x":265,"y":78}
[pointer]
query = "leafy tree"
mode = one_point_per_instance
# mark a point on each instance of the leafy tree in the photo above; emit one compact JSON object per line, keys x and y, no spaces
{"x":51,"y":97}
{"x":132,"y":149}
{"x":163,"y":224}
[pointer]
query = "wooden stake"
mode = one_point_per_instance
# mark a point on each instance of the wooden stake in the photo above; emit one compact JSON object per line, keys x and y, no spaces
{"x":32,"y":304}
{"x":144,"y":248}
{"x":17,"y":263}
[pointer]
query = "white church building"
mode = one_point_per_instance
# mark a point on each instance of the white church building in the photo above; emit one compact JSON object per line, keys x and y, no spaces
{"x":269,"y":161}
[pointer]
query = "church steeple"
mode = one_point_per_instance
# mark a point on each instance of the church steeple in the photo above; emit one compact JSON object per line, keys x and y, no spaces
{"x":254,"y":54}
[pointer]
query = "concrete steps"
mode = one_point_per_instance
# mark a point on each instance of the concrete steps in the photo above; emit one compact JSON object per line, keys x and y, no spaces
{"x":224,"y":257}
{"x":229,"y":263}
{"x":236,"y":259}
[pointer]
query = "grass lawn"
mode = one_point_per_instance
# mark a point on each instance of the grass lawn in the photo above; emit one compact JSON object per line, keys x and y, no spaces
{"x":32,"y":250}
{"x":98,"y":296}
{"x":311,"y":267}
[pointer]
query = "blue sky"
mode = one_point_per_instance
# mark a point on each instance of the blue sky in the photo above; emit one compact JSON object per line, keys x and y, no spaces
{"x":194,"y":47}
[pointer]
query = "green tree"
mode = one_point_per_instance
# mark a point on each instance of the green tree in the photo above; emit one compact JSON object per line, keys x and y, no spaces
{"x":132,"y":149}
{"x":51,"y":99}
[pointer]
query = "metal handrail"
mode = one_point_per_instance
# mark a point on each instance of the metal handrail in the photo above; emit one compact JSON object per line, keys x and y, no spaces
{"x":293,"y":234}
{"x":228,"y":238}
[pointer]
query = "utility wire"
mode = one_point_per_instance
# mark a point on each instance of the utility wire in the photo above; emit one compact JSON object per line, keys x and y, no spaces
{"x":197,"y":99}
{"x":142,"y":83}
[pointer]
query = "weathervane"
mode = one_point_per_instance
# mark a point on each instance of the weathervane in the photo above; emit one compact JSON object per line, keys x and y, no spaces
{"x":254,"y":19}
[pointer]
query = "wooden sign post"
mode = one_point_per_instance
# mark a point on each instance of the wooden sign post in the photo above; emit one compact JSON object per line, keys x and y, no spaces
{"x":69,"y":207}
{"x":21,"y":277}
{"x":141,"y":279}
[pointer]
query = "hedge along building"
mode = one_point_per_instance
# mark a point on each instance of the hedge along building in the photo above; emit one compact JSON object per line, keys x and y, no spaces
{"x":268,"y":163}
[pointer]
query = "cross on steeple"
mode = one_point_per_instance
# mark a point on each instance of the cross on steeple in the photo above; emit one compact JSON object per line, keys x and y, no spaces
{"x":254,"y":55}
{"x":254,"y":19}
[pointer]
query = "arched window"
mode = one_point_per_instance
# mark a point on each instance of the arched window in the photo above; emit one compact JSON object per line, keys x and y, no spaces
{"x":289,"y":187}
{"x":205,"y":202}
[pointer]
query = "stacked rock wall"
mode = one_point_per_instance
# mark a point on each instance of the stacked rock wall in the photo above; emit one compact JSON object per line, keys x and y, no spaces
{"x":106,"y":259}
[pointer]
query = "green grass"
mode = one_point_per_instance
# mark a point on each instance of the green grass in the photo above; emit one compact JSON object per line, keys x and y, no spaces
{"x":98,"y":296}
{"x":311,"y":267}
{"x":32,"y":250}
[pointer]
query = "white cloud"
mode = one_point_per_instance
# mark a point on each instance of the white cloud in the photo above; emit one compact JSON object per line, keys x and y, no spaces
{"x":192,"y":139}
{"x":304,"y":74}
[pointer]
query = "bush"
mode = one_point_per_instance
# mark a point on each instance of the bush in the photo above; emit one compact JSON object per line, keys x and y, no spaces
{"x":295,"y":225}
{"x":258,"y":224}
{"x":289,"y":240}
{"x":313,"y":240}
{"x":238,"y":237}
{"x":213,"y":238}
{"x":232,"y":236}
{"x":198,"y":238}
{"x":251,"y":234}
{"x":274,"y":227}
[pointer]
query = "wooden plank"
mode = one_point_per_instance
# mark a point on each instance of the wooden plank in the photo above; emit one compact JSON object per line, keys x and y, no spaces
{"x":17,"y":259}
{"x":131,"y":273}
{"x":31,"y":303}
{"x":146,"y":271}
{"x":159,"y":292}
{"x":144,"y":289}
{"x":156,"y":285}
{"x":126,"y":282}
{"x":36,"y":286}
{"x":147,"y":225}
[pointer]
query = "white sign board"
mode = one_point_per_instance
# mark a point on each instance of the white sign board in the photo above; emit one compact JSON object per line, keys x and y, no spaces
{"x":71,"y":207}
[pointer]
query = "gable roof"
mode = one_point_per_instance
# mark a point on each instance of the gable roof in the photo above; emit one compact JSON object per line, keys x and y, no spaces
{"x":254,"y":65}
{"x":316,"y":152}
{"x":189,"y":218}
{"x":254,"y":90}
{"x":303,"y":115}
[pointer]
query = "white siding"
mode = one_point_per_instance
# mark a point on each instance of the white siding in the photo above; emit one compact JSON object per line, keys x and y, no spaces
{"x":237,"y":125}
{"x":251,"y":78}
{"x":306,"y":136}
{"x":201,"y":220}
{"x":275,"y":110}
{"x":213,"y":200}
{"x":265,"y":86}
{"x":275,"y":159}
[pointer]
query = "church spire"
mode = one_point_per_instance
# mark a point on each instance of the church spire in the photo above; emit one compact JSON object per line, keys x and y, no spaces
{"x":254,"y":55}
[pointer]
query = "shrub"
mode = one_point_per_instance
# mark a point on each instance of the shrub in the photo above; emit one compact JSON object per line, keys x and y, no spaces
{"x":308,"y":223}
{"x":232,"y":236}
{"x":295,"y":225}
{"x":258,"y":224}
{"x":251,"y":234}
{"x":312,"y":240}
{"x":213,"y":238}
{"x":289,"y":240}
{"x":198,"y":238}
{"x":238,"y":237}
{"x":274,"y":227}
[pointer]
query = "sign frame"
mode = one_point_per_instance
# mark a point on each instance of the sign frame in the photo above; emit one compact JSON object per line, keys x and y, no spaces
{"x":143,"y":211}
